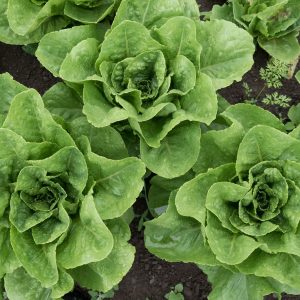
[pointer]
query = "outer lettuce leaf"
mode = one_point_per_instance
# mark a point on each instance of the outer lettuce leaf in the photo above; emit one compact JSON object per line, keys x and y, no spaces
{"x":275,"y":24}
{"x":89,"y":240}
{"x":160,"y":190}
{"x":8,"y":259}
{"x":89,"y":12}
{"x":185,"y":138}
{"x":233,"y":285}
{"x":110,"y":201}
{"x":17,"y":283}
{"x":151,"y":13}
{"x":298,"y":76}
{"x":54,"y":47}
{"x":100,"y":139}
{"x":227,"y":54}
{"x":256,"y":148}
{"x":285,"y":48}
{"x":191,"y":197}
{"x":63,"y":101}
{"x":10,"y":89}
{"x":8,"y":36}
{"x":101,"y":275}
{"x":177,"y":238}
{"x":27,"y":21}
{"x":25,"y":16}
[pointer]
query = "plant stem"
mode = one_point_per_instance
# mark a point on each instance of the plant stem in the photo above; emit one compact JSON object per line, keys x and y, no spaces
{"x":260,"y":92}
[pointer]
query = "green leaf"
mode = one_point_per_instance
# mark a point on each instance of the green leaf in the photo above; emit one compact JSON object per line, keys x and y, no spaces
{"x":8,"y":259}
{"x":105,"y":274}
{"x":185,"y":75}
{"x":160,"y":190}
{"x":88,"y":15}
{"x":238,"y":246}
{"x":22,"y":217}
{"x":12,"y":146}
{"x":178,"y":35}
{"x":285,"y":48}
{"x":54,"y":47}
{"x":38,"y":260}
{"x":257,"y":146}
{"x":144,"y":73}
{"x":297,"y":76}
{"x":191,"y":197}
{"x":104,"y":141}
{"x":52,"y":228}
{"x":8,"y":36}
{"x":10,"y":88}
{"x":98,"y":110}
{"x":295,"y":133}
{"x":64,"y":285}
{"x":201,"y":103}
{"x":63,"y":101}
{"x":89,"y":240}
{"x":294,"y":114}
{"x":219,"y":147}
{"x":176,"y":238}
{"x":79,"y":63}
{"x":25,"y":16}
{"x":177,"y":153}
{"x":230,"y":285}
{"x":251,"y":115}
{"x":17,"y":286}
{"x":152,"y":12}
{"x":117,"y":184}
{"x":222,"y":12}
{"x":281,"y":266}
{"x":226,"y":51}
{"x":133,"y":35}
{"x":37,"y":124}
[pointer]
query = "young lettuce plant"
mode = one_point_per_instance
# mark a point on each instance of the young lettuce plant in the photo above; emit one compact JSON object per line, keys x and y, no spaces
{"x":27,"y":21}
{"x":238,"y":218}
{"x":62,"y":203}
{"x":274,"y":23}
{"x":157,"y":71}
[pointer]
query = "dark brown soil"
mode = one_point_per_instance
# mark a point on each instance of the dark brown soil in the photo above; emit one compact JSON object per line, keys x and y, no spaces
{"x":149,"y":277}
{"x":236,"y":93}
{"x":25,"y":68}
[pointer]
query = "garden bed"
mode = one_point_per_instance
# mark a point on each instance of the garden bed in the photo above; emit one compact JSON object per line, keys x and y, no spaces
{"x":150,"y":277}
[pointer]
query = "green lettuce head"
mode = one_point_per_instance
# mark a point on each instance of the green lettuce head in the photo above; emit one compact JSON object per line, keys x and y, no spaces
{"x":238,"y":218}
{"x":27,"y":21}
{"x":62,"y":203}
{"x":275,"y":23}
{"x":156,"y":71}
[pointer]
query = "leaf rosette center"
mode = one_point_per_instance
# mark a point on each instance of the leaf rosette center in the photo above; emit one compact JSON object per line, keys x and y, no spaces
{"x":39,"y":191}
{"x":262,"y":206}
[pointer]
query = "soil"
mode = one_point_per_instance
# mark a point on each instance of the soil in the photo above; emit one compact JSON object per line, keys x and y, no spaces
{"x":149,"y":277}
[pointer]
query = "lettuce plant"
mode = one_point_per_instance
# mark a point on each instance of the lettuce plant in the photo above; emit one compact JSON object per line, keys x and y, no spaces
{"x":62,"y":203}
{"x":156,"y":71}
{"x":27,"y":21}
{"x":275,"y":24}
{"x":238,"y":218}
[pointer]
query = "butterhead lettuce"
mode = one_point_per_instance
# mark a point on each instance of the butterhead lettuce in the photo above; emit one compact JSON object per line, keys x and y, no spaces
{"x":275,"y":24}
{"x":27,"y":21}
{"x":61,"y":201}
{"x":238,"y":218}
{"x":156,"y":71}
